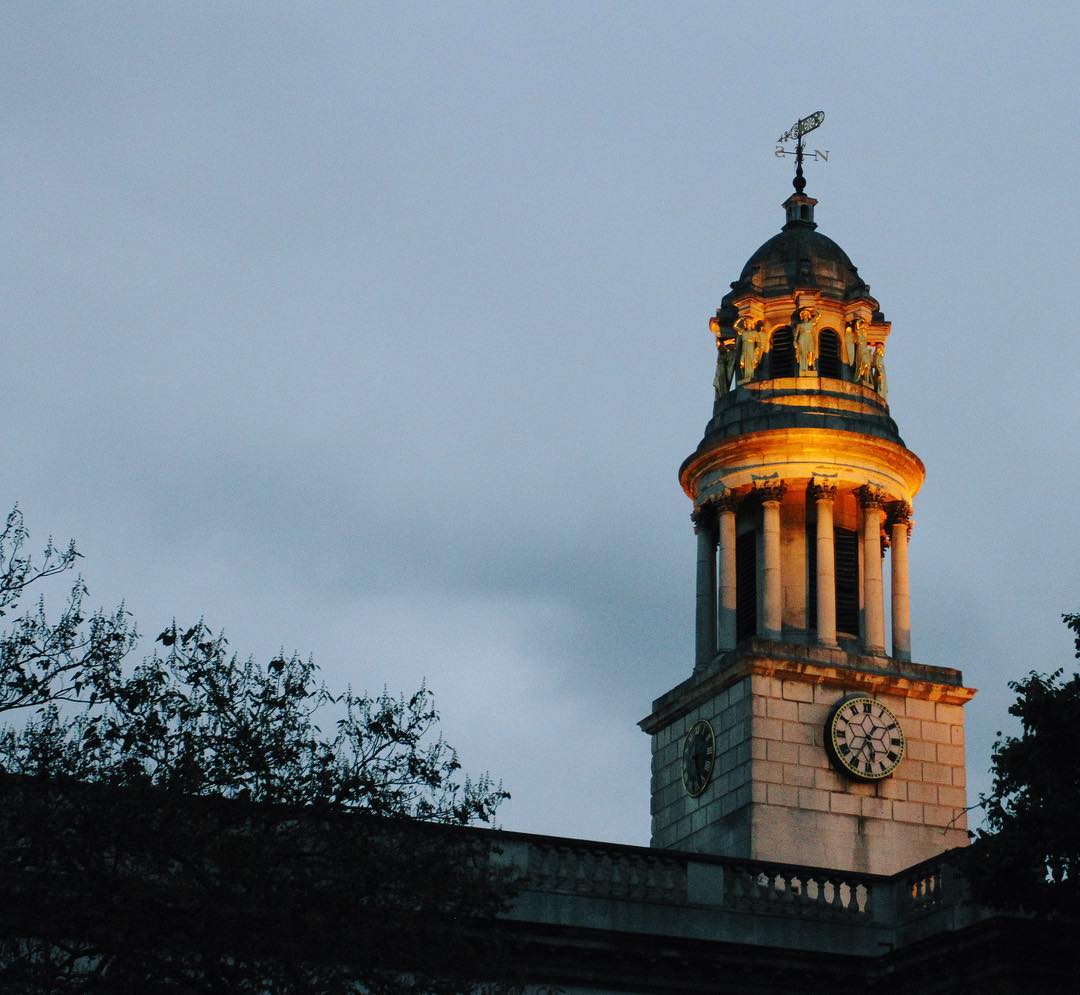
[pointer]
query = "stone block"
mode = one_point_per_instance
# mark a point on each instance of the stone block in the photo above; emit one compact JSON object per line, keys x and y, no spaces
{"x":758,"y":748}
{"x":894,"y":703}
{"x":758,"y":791}
{"x":801,"y":776}
{"x":783,"y":794}
{"x":912,"y":728}
{"x":797,"y":691}
{"x":956,"y":734}
{"x":862,"y":789}
{"x":935,"y":815}
{"x":731,"y":718}
{"x":767,"y":687}
{"x":757,"y":705}
{"x":737,"y":691}
{"x":918,"y":749}
{"x":765,"y":770}
{"x":956,"y":797}
{"x":908,"y":812}
{"x":910,"y":770}
{"x":824,"y":695}
{"x":813,"y":756}
{"x":740,"y":775}
{"x":786,"y":753}
{"x":813,"y":715}
{"x":937,"y":773}
{"x":935,"y":732}
{"x":891,"y":788}
{"x":950,"y":714}
{"x":845,"y":803}
{"x":769,"y":728}
{"x":918,"y":791}
{"x":959,"y":777}
{"x":950,"y":754}
{"x":814,"y":799}
{"x":877,"y":808}
{"x":918,"y":708}
{"x":827,"y":780}
{"x":798,"y":732}
{"x":743,"y":752}
{"x":727,"y":761}
{"x":777,"y":708}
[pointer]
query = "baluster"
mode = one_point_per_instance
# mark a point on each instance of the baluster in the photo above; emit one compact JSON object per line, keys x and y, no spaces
{"x":618,"y":879}
{"x":602,"y":876}
{"x":649,"y":883}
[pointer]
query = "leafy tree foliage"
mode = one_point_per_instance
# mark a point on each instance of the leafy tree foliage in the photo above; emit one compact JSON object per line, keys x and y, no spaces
{"x":1028,"y":855}
{"x":188,"y":825}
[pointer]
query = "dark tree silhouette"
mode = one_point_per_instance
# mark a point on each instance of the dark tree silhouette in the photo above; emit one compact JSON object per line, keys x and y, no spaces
{"x":1028,"y":855}
{"x":201,"y":823}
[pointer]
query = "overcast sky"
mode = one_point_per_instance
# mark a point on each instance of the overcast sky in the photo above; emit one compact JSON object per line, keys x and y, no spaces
{"x":379,"y":332}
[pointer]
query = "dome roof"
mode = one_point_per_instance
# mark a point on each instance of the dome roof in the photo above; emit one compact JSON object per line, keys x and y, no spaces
{"x":800,"y":258}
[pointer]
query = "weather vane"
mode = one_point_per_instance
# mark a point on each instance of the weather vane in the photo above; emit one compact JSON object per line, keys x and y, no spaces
{"x":795,"y":133}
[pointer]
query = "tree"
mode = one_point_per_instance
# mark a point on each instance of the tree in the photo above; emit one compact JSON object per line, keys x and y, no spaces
{"x":189,"y":826}
{"x":1028,"y":855}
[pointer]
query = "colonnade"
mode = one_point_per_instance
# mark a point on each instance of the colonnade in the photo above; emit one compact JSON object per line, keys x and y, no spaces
{"x":714,"y":524}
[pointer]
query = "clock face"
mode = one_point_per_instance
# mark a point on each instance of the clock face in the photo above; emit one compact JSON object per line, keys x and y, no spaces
{"x":698,"y":757}
{"x":863,"y":738}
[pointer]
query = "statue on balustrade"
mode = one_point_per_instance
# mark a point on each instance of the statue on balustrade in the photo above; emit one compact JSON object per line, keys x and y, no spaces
{"x":863,"y":356}
{"x":877,"y":368}
{"x":750,"y":347}
{"x":726,"y":355}
{"x":850,"y":331}
{"x":805,"y":344}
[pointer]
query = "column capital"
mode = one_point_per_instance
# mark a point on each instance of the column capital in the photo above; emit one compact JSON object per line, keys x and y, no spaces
{"x":702,"y":518}
{"x":770,"y":491}
{"x":821,"y":491}
{"x":870,"y":496}
{"x":728,"y":501}
{"x":900,"y":514}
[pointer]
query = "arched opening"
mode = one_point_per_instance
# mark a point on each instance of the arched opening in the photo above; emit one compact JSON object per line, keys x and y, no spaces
{"x":782,"y":354}
{"x":829,"y":354}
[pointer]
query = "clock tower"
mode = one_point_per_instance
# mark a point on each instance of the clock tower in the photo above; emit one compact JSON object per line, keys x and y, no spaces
{"x":803,"y":734}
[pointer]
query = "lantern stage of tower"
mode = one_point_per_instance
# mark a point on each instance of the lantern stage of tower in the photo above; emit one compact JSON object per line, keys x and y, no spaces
{"x":829,"y":746}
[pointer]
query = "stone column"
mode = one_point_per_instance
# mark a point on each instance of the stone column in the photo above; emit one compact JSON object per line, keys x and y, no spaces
{"x":870,"y":498}
{"x":823,"y":496}
{"x":901,"y":599}
{"x":725,"y":610}
{"x":772,"y":601}
{"x":704,"y":519}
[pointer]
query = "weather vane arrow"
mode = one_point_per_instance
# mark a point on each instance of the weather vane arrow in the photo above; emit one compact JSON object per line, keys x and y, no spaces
{"x":795,"y":133}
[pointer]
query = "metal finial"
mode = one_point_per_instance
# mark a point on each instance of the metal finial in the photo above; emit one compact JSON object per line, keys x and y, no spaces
{"x":800,"y":128}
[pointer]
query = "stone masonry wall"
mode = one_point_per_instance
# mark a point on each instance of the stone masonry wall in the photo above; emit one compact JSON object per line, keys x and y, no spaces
{"x":775,"y":796}
{"x":679,"y":821}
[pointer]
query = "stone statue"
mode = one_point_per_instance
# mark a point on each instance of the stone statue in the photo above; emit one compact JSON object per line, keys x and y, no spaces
{"x":849,"y":341}
{"x":749,"y":347}
{"x":725,"y":355}
{"x":877,"y":368}
{"x":805,"y":344}
{"x":863,"y":356}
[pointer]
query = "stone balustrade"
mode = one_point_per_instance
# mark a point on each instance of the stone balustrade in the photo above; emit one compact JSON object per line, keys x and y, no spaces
{"x":640,"y":890}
